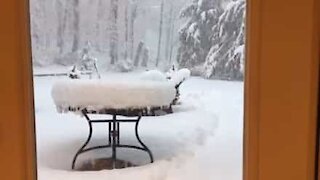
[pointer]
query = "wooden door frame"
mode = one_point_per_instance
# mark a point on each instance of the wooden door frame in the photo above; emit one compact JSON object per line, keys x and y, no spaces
{"x":17,"y":136}
{"x":280,"y":91}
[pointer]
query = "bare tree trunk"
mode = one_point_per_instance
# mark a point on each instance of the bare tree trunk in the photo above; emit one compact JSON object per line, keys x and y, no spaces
{"x":168,"y":33}
{"x":76,"y":19}
{"x":114,"y":32}
{"x":171,"y":42}
{"x":62,"y":21}
{"x":126,"y":32}
{"x":132,"y":39}
{"x":160,"y":34}
{"x":35,"y":25}
{"x":98,"y":26}
{"x":145,"y":57}
{"x":133,"y":16}
{"x":138,"y":54}
{"x":47,"y":34}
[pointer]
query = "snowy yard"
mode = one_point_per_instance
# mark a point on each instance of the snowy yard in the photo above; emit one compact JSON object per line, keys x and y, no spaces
{"x":202,"y":139}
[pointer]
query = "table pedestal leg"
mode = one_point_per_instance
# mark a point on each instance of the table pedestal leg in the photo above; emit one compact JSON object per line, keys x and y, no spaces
{"x":113,"y":138}
{"x":140,"y":141}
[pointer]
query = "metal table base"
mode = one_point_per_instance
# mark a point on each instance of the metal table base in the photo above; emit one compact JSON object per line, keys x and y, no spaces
{"x":113,"y":136}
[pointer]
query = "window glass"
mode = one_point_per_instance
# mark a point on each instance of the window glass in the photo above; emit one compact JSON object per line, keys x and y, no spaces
{"x":173,"y":67}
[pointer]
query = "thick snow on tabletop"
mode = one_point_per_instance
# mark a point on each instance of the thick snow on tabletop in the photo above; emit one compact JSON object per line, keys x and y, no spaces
{"x":100,"y":94}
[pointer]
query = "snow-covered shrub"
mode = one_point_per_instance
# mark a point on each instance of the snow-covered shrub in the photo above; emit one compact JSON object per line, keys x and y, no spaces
{"x":124,"y":66}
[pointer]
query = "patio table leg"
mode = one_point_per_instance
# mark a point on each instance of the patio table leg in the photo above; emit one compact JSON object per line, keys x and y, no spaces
{"x":140,"y":141}
{"x":113,"y":138}
{"x":85,"y":144}
{"x":114,"y":141}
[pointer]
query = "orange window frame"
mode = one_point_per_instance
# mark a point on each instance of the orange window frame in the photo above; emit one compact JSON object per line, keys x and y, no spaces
{"x":281,"y":88}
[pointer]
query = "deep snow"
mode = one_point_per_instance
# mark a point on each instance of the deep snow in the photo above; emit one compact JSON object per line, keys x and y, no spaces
{"x":201,"y":140}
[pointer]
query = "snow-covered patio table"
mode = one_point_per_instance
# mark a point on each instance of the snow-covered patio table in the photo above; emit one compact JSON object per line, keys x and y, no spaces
{"x":132,"y":99}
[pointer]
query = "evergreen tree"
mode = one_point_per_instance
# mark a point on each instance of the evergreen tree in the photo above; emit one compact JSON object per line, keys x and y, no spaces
{"x":226,"y":57}
{"x":195,"y":35}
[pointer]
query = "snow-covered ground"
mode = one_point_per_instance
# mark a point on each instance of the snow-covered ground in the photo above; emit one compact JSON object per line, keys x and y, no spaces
{"x":201,"y":140}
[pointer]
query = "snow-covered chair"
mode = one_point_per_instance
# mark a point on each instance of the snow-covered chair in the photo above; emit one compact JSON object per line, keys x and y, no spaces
{"x":116,"y":98}
{"x":178,"y":77}
{"x":173,"y":76}
{"x":86,"y":65}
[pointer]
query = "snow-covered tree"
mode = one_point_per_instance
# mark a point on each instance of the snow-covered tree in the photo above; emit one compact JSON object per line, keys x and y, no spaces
{"x":76,"y":28}
{"x":145,"y":57}
{"x":126,"y":33}
{"x":160,"y":33}
{"x":138,"y":54}
{"x":202,"y":38}
{"x":212,"y":40}
{"x":133,"y":17}
{"x":98,"y":26}
{"x":61,"y":24}
{"x":226,"y":57}
{"x":195,"y":35}
{"x":169,"y":26}
{"x":35,"y":31}
{"x":113,"y":51}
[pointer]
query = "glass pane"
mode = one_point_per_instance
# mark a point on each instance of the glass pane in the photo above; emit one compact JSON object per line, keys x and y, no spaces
{"x":147,"y":80}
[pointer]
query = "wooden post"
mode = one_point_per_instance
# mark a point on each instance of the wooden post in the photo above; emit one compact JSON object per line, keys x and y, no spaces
{"x":17,"y":137}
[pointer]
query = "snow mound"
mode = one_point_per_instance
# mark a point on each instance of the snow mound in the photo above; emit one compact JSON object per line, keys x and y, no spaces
{"x":179,"y":76}
{"x":102,"y":94}
{"x":153,"y":75}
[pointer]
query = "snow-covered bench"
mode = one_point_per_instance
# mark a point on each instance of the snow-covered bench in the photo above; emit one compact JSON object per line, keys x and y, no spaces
{"x":126,"y":98}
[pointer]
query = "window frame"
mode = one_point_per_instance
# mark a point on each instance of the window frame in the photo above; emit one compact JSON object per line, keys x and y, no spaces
{"x":17,"y":128}
{"x":280,"y":104}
